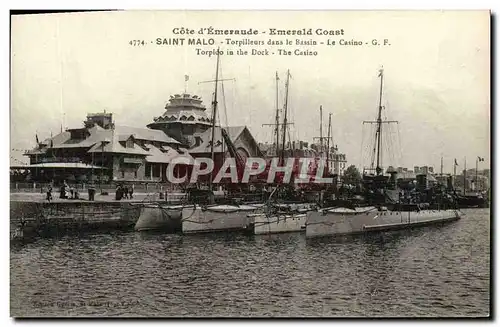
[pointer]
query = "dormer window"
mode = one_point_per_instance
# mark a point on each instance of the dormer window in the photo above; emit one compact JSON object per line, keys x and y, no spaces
{"x":129,"y":143}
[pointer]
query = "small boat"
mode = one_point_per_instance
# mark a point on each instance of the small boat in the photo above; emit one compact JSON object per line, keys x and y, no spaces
{"x":215,"y":218}
{"x":343,"y":221}
{"x":471,"y":201}
{"x":284,"y":217}
{"x":160,"y":217}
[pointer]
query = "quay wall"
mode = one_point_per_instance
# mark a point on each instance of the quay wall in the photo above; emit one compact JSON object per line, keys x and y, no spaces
{"x":31,"y":218}
{"x":139,"y":187}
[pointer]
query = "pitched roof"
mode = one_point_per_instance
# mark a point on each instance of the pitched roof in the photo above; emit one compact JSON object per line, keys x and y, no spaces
{"x":113,"y":146}
{"x":98,"y":134}
{"x":35,"y":151}
{"x":58,"y":139}
{"x":59,"y":165}
{"x":157,"y":156}
{"x":145,"y":134}
{"x":234,"y":133}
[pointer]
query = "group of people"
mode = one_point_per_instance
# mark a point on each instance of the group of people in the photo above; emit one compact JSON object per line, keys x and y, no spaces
{"x":67,"y":192}
{"x":124,"y":191}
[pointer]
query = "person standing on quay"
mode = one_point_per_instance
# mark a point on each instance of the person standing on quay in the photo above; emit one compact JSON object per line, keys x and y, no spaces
{"x":91,"y":191}
{"x":49,"y":193}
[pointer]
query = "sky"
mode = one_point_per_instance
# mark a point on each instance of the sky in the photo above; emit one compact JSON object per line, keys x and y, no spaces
{"x":436,"y":77}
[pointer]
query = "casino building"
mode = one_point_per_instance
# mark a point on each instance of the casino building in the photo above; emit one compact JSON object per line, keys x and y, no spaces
{"x":101,"y":151}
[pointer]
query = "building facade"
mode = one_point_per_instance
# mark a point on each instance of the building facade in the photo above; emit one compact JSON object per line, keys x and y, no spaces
{"x":336,"y":160}
{"x":101,"y":151}
{"x":185,"y":115}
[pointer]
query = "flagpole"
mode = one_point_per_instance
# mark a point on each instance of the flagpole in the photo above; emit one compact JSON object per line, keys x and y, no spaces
{"x":36,"y":155}
{"x":441,"y":165}
{"x":475,"y":180}
{"x":465,"y":172}
{"x":454,"y":172}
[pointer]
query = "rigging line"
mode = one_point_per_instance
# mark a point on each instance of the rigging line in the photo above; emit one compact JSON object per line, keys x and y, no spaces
{"x":374,"y":131}
{"x":389,"y":146}
{"x":392,"y":144}
{"x":368,"y":153}
{"x":396,"y":143}
{"x":362,"y":150}
{"x":387,"y":143}
{"x":250,"y":96}
{"x":399,"y":141}
{"x":223,"y":97}
{"x":291,"y":117}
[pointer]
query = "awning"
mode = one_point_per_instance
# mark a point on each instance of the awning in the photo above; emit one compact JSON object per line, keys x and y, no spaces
{"x":69,"y":165}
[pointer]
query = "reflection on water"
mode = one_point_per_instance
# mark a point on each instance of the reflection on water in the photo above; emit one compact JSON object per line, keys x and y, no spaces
{"x":431,"y":271}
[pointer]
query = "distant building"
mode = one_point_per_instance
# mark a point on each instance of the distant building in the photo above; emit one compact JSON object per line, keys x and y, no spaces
{"x":301,"y":149}
{"x":101,"y":150}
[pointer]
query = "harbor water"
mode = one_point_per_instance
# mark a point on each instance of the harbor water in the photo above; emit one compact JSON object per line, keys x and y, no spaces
{"x":433,"y":271}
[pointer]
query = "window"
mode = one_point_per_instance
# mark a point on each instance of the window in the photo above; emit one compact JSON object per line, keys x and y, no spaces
{"x":123,"y":173}
{"x":130,"y":143}
{"x":156,"y":170}
{"x":135,"y":174}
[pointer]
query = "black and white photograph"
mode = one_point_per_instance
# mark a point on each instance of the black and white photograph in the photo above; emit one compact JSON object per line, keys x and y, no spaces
{"x":250,"y":164}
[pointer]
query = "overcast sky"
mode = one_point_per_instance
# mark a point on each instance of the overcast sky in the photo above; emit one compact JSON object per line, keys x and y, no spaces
{"x":437,"y":77}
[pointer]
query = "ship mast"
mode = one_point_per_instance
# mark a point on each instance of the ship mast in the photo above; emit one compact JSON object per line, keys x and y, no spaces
{"x":321,"y":137}
{"x":377,"y":148}
{"x":321,"y":128}
{"x":328,"y":143}
{"x":465,"y":172}
{"x":214,"y":113}
{"x":379,"y":125}
{"x":277,"y":120}
{"x":285,"y":121}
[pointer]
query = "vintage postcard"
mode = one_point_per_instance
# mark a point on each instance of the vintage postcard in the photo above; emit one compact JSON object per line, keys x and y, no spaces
{"x":250,"y":164}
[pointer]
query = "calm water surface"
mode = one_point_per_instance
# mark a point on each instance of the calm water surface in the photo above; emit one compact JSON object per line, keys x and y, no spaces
{"x":431,"y":271}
